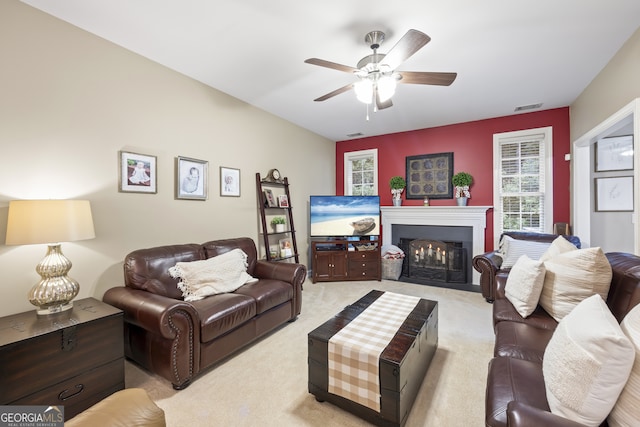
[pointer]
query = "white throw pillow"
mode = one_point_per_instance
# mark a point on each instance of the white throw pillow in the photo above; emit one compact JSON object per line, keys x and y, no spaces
{"x":572,"y":277}
{"x":586,"y":363}
{"x":524,"y":285}
{"x":559,"y":246}
{"x":512,"y":249}
{"x":216,"y":275}
{"x":626,"y":411}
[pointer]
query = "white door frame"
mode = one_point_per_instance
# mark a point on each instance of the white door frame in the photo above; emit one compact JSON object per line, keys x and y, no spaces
{"x":581,"y":171}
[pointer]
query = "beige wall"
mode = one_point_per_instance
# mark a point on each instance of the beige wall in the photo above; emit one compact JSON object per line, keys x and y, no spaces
{"x":70,"y":101}
{"x":616,"y":85}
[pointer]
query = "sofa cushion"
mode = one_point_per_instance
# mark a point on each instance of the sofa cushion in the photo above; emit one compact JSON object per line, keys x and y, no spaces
{"x":586,"y":363}
{"x":626,"y":411}
{"x":267,"y":293}
{"x":221,"y":313}
{"x":573,"y":276}
{"x":503,"y":310}
{"x":512,"y":249}
{"x":521,"y":341}
{"x":559,"y":246}
{"x":524,"y":285}
{"x":148,"y":269}
{"x":222,"y":273}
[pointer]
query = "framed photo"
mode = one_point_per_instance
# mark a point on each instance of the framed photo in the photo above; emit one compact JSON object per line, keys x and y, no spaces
{"x":430,"y":175}
{"x":283,"y":201}
{"x":614,"y":153}
{"x":229,"y":182}
{"x":138,"y":173}
{"x":614,"y":194}
{"x":286,"y":248}
{"x":269,"y":199}
{"x":192,"y":177}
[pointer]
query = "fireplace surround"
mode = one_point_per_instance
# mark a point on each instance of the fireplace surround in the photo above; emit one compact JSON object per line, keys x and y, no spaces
{"x":474,"y":217}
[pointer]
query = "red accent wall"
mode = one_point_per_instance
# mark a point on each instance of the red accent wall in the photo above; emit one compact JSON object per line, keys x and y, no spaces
{"x":472,"y":147}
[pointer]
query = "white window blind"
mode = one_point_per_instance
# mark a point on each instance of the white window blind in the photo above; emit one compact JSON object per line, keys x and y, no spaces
{"x":361,"y":173}
{"x":523,"y":193}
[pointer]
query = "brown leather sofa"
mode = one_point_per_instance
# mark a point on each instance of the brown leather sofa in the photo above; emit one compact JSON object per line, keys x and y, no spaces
{"x":489,"y":264}
{"x":515,"y":394}
{"x":177,"y":339}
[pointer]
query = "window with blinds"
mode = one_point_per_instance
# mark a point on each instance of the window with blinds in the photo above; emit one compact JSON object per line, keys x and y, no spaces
{"x":523,"y":191}
{"x":361,"y":173}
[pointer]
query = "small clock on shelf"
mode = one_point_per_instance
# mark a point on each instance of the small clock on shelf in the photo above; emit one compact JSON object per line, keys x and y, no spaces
{"x":273,"y":176}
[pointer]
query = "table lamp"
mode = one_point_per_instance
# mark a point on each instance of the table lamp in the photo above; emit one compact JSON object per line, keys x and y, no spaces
{"x":52,"y":222}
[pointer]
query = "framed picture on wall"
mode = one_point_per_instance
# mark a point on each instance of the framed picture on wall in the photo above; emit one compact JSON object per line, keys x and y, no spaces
{"x":614,"y":153}
{"x":137,"y":173}
{"x":614,"y":194}
{"x":229,"y":182}
{"x":430,"y":175}
{"x":191,"y":178}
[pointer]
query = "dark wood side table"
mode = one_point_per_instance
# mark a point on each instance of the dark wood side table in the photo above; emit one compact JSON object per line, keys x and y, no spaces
{"x":72,"y":359}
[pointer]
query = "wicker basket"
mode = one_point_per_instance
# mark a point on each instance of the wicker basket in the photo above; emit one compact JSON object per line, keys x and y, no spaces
{"x":391,"y":268}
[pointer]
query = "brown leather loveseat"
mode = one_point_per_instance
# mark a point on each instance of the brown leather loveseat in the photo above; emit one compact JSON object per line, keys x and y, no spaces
{"x":515,"y":393}
{"x":177,"y":339}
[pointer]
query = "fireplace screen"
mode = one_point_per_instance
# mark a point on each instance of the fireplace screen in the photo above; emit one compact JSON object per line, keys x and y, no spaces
{"x":434,"y":260}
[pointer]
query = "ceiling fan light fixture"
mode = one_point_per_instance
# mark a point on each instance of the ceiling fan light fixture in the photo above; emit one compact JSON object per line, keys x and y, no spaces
{"x":386,"y":87}
{"x":364,"y":90}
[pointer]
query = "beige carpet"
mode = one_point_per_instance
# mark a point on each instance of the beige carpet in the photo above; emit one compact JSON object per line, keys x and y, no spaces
{"x":266,"y":383}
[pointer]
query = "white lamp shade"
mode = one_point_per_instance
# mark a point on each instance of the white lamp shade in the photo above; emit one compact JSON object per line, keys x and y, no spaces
{"x":49,"y":221}
{"x":364,"y":90}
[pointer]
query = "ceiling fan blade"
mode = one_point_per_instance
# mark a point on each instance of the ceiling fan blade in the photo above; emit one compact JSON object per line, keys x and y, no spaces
{"x":334,"y":93}
{"x":329,"y":64}
{"x":409,"y":44}
{"x":427,"y":78}
{"x":383,"y":105}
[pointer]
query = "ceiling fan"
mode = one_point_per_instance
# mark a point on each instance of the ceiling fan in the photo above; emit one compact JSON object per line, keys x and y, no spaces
{"x":377,"y":75}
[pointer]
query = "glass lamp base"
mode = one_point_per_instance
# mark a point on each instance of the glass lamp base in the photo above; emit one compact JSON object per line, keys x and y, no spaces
{"x":53,"y":309}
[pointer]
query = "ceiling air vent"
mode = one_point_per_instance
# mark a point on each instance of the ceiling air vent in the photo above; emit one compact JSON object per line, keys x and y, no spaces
{"x":528,"y":107}
{"x":353,"y":135}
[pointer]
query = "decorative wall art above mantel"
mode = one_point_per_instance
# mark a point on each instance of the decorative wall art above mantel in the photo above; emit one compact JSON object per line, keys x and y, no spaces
{"x":430,"y":175}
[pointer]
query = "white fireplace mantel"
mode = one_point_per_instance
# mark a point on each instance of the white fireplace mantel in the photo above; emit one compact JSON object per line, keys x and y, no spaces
{"x":456,"y":216}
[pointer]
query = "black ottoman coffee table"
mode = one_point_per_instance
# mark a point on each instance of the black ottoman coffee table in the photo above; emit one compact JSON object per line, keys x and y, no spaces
{"x":401,"y":366}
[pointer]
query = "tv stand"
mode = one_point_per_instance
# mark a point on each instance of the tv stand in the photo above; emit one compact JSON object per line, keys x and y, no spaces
{"x":343,"y":260}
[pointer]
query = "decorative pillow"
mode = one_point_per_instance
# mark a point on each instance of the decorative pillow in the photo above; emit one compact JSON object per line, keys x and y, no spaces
{"x":626,"y":411}
{"x":512,"y":249}
{"x":586,"y":363}
{"x":524,"y":284}
{"x":559,"y":246}
{"x":572,"y":277}
{"x":216,"y":275}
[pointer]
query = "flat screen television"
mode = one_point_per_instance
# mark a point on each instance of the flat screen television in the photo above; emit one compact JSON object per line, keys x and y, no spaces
{"x":344,"y":216}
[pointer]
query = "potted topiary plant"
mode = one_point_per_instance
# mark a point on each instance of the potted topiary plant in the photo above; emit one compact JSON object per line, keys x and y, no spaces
{"x":397,"y":184}
{"x":278,"y":224}
{"x":462,"y":181}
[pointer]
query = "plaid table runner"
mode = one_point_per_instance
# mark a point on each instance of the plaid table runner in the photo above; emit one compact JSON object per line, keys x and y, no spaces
{"x":354,"y":352}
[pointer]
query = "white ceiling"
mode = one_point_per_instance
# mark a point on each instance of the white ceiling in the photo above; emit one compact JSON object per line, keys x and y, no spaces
{"x":507,"y":53}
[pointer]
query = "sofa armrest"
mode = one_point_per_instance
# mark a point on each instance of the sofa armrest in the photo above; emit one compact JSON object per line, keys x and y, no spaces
{"x":286,"y":272}
{"x":522,"y":415}
{"x":487,"y":265}
{"x":149,"y":311}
